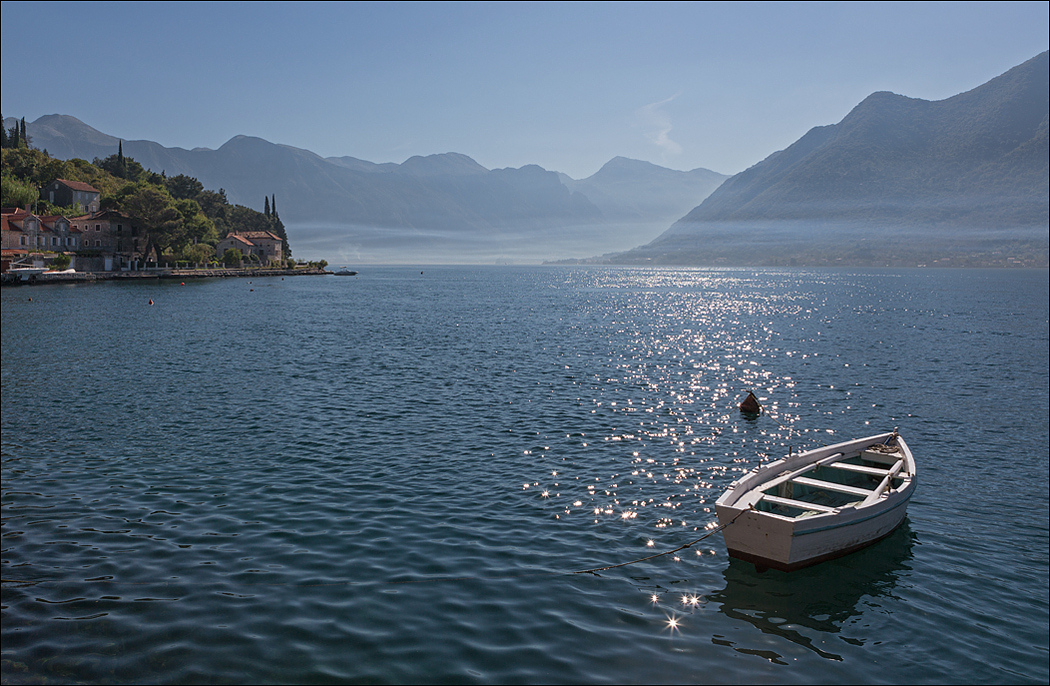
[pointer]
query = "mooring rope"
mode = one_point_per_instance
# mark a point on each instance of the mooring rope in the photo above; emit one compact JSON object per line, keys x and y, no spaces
{"x":709,"y":533}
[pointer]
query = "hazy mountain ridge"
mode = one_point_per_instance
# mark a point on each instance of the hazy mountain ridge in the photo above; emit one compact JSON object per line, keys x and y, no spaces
{"x":964,"y":175}
{"x":643,"y":191}
{"x":446,"y":194}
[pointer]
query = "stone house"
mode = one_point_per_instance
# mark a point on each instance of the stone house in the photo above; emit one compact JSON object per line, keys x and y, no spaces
{"x":109,"y":232}
{"x":265,"y":245}
{"x":63,"y":192}
{"x":25,"y":231}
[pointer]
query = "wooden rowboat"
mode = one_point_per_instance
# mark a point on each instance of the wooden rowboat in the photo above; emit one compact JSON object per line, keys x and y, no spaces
{"x":820,"y":504}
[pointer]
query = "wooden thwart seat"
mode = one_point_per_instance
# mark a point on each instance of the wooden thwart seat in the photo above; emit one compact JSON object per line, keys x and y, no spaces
{"x":829,"y":486}
{"x":859,"y":469}
{"x":797,"y":504}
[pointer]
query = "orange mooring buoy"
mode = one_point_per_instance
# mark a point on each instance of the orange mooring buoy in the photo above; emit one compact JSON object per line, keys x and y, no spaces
{"x":151,"y":301}
{"x":750,"y":404}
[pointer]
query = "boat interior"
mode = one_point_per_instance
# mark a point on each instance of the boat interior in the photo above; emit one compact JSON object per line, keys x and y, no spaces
{"x":836,"y":481}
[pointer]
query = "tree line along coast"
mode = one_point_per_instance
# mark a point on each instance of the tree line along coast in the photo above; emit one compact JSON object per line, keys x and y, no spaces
{"x":113,"y":215}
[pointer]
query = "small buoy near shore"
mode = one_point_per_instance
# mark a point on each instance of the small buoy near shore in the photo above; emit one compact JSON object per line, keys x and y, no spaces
{"x":251,"y":290}
{"x":750,"y":404}
{"x":182,"y":283}
{"x":151,"y":301}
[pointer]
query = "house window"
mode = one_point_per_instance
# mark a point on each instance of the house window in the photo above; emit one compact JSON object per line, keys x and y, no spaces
{"x":98,"y":243}
{"x":21,"y":240}
{"x":120,"y":228}
{"x":98,"y":227}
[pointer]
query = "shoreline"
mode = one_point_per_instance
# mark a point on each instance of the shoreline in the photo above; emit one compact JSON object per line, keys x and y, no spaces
{"x":9,"y":279}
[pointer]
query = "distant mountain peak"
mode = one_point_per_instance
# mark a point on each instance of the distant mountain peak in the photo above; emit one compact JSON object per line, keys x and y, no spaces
{"x":241,"y":139}
{"x":896,"y":180}
{"x":70,"y":128}
{"x":627,"y":167}
{"x":442,"y":164}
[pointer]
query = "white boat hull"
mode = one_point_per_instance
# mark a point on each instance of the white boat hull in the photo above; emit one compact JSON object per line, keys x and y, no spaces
{"x":781,"y":542}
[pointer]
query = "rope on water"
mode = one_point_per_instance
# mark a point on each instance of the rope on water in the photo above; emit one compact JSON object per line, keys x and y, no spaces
{"x":710,"y":532}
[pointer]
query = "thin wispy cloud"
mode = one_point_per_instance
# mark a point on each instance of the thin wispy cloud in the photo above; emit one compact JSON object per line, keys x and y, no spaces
{"x":658,"y":126}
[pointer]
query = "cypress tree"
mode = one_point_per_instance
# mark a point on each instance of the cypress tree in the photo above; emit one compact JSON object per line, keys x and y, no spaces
{"x":25,"y":138}
{"x":273,"y":205}
{"x":3,"y":133}
{"x":266,"y":207}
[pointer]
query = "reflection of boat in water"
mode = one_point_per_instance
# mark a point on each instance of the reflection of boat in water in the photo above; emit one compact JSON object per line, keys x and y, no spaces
{"x":345,"y":272}
{"x":820,"y":504}
{"x":809,"y":605}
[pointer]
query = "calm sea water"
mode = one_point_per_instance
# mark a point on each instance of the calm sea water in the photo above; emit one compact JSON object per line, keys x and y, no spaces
{"x":390,"y":478}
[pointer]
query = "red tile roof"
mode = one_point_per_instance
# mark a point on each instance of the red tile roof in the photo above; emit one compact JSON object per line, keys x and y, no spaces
{"x":11,"y":216}
{"x":101,"y":214}
{"x":78,"y":185}
{"x":240,"y":238}
{"x":256,"y":234}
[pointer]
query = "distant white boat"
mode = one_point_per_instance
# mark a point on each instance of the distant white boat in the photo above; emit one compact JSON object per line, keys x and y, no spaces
{"x":820,"y":504}
{"x":345,"y":272}
{"x":26,"y":272}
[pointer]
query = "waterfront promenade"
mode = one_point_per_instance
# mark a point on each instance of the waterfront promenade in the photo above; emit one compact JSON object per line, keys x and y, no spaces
{"x":10,"y":279}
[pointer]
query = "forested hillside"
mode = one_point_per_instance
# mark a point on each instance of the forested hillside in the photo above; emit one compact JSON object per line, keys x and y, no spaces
{"x":183,"y":220}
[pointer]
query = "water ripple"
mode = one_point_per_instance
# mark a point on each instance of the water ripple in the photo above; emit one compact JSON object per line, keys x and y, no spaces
{"x":392,"y":478}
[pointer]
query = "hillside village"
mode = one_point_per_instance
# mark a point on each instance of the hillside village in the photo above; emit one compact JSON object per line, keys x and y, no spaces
{"x":111,"y":215}
{"x":108,"y":240}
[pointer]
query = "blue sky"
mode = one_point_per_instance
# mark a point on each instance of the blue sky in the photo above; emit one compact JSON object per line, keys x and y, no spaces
{"x":565,"y":86}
